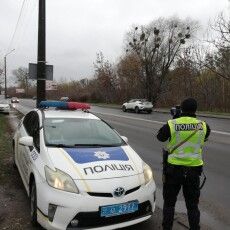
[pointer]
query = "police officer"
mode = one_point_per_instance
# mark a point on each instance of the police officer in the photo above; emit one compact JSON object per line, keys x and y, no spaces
{"x":186,"y":136}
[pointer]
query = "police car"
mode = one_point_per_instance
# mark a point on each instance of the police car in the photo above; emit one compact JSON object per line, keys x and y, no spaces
{"x":79,"y":172}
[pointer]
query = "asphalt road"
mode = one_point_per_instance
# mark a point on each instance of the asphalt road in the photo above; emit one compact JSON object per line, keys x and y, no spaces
{"x":141,"y":129}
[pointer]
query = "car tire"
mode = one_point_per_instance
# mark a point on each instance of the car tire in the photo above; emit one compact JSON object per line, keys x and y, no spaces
{"x":33,"y":204}
{"x":136,"y":109}
{"x":149,"y":111}
{"x":124,"y":108}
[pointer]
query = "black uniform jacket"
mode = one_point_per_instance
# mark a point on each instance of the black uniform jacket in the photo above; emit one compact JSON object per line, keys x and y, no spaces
{"x":164,"y":132}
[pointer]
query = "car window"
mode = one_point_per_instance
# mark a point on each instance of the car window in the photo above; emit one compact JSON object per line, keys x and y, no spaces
{"x":27,"y":123}
{"x":31,"y":124}
{"x":80,"y":132}
{"x":36,"y":132}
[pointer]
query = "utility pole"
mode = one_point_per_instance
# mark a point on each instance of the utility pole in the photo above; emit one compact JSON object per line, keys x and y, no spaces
{"x":41,"y":59}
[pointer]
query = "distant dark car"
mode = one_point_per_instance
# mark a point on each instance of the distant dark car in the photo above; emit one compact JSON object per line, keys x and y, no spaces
{"x":14,"y":100}
{"x":34,"y":98}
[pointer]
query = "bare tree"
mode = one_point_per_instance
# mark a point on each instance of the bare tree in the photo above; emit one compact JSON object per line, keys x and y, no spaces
{"x":129,"y":72}
{"x":22,"y":78}
{"x":218,"y":61}
{"x":157,"y":46}
{"x":222,"y":28}
{"x":106,"y":78}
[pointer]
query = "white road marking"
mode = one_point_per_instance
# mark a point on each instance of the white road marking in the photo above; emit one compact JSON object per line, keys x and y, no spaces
{"x":133,"y":118}
{"x":156,"y":122}
{"x":220,"y":132}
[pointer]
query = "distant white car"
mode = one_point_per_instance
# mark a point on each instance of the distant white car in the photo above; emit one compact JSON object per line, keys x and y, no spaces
{"x":138,"y":105}
{"x":79,"y":172}
{"x":4,"y":107}
{"x":64,"y":99}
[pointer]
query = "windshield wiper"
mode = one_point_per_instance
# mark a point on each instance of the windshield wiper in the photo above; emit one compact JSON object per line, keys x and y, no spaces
{"x":96,"y":145}
{"x":60,"y":145}
{"x":81,"y":145}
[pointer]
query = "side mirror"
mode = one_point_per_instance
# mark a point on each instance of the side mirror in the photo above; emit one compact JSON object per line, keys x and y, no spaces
{"x":125,"y":139}
{"x":26,"y":141}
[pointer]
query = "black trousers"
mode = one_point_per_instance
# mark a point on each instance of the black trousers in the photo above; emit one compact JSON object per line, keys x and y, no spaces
{"x":189,"y":179}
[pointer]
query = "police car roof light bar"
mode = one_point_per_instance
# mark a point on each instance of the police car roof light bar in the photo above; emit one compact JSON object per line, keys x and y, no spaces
{"x":78,"y":105}
{"x":64,"y":105}
{"x":55,"y":104}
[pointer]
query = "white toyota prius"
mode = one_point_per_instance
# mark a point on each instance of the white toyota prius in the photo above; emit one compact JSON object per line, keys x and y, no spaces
{"x":79,"y":172}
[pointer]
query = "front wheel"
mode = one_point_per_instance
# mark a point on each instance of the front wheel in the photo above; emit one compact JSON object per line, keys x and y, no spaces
{"x":124,"y":108}
{"x":33,"y":204}
{"x":136,"y":109}
{"x":149,"y":111}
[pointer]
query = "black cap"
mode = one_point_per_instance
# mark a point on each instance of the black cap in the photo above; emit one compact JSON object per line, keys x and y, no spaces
{"x":189,"y":105}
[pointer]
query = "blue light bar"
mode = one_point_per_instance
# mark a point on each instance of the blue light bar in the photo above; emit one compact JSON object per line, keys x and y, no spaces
{"x":56,"y":104}
{"x":64,"y":105}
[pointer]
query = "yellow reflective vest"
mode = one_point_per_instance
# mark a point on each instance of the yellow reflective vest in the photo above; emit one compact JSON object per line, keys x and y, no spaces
{"x":189,"y":153}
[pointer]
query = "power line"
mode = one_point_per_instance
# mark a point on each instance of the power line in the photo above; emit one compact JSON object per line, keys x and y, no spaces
{"x":23,"y":30}
{"x":21,"y":34}
{"x":20,"y":14}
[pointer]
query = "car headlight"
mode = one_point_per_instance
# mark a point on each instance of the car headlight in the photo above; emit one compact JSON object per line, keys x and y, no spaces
{"x":148,"y":173}
{"x":60,"y":180}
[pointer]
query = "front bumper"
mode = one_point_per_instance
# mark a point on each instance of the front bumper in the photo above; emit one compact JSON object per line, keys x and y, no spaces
{"x":85,"y":208}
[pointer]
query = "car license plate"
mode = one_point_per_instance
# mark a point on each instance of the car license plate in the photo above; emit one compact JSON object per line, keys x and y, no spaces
{"x":119,"y":209}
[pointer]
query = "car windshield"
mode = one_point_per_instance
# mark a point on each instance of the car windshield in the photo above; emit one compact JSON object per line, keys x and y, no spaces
{"x":76,"y":132}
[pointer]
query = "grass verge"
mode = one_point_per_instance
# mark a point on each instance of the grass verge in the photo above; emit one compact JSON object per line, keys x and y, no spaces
{"x":6,"y":149}
{"x":14,"y":203}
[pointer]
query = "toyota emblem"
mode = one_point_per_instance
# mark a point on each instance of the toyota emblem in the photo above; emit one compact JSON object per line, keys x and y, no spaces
{"x":118,"y":192}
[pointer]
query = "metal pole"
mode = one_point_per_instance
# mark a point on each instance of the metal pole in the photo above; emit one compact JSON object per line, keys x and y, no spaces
{"x":5,"y":78}
{"x":41,"y":59}
{"x":26,"y":85}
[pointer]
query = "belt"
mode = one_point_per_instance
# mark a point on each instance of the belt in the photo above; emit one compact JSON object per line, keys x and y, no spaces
{"x":186,"y":167}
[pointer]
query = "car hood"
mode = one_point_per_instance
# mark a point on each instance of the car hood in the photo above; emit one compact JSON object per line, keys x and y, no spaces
{"x":97,"y":163}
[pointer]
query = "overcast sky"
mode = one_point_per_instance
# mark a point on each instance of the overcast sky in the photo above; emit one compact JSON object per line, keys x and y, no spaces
{"x":78,"y":29}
